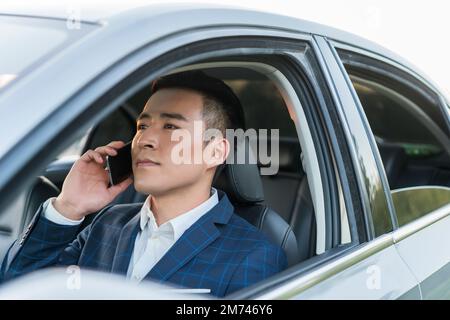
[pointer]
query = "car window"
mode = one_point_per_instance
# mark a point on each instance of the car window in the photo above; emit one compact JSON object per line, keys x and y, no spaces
{"x":413,"y":203}
{"x":24,"y":41}
{"x":410,"y":131}
{"x":268,"y":101}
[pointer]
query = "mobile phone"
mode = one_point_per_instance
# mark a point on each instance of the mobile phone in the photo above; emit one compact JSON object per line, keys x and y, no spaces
{"x":120,"y":166}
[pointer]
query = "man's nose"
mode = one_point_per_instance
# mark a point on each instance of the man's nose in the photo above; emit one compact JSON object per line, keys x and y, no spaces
{"x":149,"y":139}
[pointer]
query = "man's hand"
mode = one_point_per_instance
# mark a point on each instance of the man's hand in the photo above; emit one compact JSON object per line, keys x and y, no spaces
{"x":85,"y":189}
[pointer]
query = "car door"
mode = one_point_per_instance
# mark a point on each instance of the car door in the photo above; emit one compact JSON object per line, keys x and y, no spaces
{"x":374,"y":269}
{"x":410,"y":125}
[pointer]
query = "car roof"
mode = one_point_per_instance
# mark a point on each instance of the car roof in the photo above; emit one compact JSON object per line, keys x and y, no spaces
{"x":118,"y":14}
{"x":90,"y":12}
{"x":135,"y":10}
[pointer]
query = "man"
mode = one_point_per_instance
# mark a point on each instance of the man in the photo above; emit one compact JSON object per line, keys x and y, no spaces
{"x":186,"y":232}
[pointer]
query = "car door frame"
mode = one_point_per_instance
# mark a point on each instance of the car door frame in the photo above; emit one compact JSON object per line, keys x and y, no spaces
{"x":360,"y":273}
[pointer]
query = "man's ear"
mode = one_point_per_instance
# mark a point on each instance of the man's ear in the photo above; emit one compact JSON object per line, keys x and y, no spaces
{"x":216,"y":152}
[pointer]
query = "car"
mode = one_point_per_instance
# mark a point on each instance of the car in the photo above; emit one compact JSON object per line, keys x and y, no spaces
{"x":360,"y":198}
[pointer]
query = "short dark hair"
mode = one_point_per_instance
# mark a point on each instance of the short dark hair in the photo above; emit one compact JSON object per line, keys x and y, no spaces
{"x":221,"y":107}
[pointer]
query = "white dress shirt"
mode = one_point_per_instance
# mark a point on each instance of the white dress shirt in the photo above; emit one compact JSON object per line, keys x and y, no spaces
{"x":152,"y":241}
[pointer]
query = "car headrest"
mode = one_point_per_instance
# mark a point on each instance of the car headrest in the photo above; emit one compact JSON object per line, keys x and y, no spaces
{"x":241,"y":181}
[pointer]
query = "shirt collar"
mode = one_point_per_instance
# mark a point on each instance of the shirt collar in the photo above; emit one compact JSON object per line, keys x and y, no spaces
{"x":178,"y":225}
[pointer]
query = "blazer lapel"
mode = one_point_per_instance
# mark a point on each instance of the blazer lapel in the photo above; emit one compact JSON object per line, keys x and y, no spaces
{"x":125,"y":246}
{"x":193,"y":240}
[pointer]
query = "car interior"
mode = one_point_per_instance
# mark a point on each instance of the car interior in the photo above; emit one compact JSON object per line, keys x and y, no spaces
{"x":280,"y":205}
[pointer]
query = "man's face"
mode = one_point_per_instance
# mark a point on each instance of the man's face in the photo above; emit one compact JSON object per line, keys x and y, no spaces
{"x":155,"y":171}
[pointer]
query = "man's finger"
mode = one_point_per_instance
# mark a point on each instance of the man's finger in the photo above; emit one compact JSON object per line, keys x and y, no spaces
{"x":116,"y":144}
{"x":92,"y":155}
{"x":106,"y":150}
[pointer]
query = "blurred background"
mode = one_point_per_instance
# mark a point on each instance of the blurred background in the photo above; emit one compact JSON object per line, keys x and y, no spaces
{"x":415,"y":29}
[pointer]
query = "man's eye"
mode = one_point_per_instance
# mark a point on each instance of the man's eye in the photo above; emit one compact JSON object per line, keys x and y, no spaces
{"x":141,"y":126}
{"x":170,"y":126}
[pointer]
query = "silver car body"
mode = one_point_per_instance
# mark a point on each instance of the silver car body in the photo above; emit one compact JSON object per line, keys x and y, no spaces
{"x":406,"y":263}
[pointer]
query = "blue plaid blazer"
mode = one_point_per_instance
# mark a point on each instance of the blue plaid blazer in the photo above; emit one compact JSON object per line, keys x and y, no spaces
{"x":221,"y":251}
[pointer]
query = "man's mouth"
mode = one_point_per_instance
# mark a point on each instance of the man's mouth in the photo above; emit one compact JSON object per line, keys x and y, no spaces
{"x":146,"y":163}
